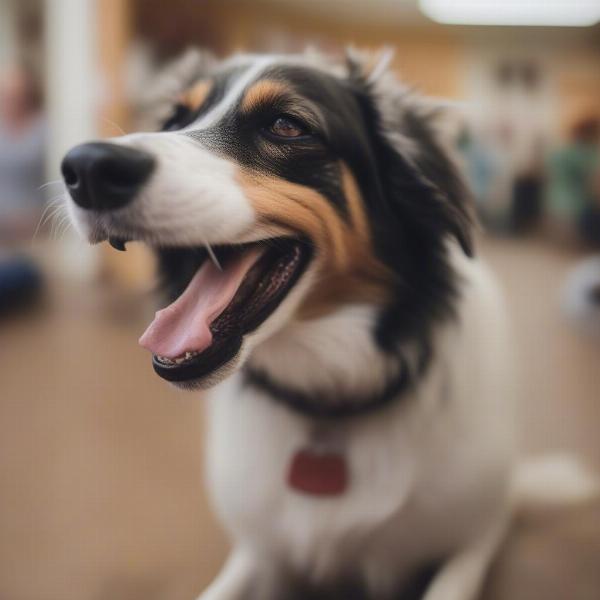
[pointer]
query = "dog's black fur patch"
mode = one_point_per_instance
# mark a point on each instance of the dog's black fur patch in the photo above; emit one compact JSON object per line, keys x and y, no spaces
{"x":411,"y":218}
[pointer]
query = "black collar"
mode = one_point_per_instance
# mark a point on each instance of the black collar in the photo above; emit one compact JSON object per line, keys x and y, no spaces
{"x":323,"y":406}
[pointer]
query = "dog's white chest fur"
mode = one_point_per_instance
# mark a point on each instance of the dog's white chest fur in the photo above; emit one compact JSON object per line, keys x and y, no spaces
{"x":426,"y":473}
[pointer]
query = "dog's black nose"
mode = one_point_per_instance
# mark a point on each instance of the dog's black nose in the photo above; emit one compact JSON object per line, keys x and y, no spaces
{"x":103,"y":176}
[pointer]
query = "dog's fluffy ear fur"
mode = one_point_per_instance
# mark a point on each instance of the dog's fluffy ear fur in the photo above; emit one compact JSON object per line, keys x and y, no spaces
{"x":172,"y":80}
{"x":192,"y":65}
{"x":417,"y":167}
{"x":368,"y":66}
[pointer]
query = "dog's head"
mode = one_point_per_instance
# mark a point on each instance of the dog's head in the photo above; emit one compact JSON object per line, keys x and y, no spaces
{"x":280,"y":188}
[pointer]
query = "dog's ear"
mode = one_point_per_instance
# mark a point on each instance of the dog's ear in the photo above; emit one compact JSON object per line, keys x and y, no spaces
{"x":172,"y":80}
{"x":190,"y":66}
{"x":368,"y":66}
{"x":426,"y":171}
{"x":419,"y":176}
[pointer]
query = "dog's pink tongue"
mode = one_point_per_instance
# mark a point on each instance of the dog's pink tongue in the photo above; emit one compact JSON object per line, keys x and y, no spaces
{"x":184,"y":325}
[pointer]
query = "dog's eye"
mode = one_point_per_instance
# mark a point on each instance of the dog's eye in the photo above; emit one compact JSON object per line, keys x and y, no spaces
{"x":287,"y":127}
{"x":181,"y":113}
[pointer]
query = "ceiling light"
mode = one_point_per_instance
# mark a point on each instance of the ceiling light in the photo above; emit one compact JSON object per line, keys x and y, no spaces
{"x":565,"y":13}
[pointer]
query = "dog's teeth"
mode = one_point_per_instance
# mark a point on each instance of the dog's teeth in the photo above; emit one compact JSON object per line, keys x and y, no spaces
{"x":179,"y":360}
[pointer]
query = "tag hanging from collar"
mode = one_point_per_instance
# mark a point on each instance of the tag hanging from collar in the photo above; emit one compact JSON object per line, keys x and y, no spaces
{"x":318,"y":473}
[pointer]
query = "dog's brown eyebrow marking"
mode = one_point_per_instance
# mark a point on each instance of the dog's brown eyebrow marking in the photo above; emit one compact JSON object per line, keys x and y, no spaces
{"x":194,"y":97}
{"x":263,"y":92}
{"x":268,"y":91}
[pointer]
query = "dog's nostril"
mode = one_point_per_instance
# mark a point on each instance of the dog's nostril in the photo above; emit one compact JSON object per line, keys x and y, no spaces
{"x":69,"y":175}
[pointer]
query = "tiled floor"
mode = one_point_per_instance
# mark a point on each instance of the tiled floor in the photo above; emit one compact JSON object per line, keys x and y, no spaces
{"x":101,"y":495}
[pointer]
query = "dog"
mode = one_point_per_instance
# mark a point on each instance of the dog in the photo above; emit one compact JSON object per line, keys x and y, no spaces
{"x":315,"y":241}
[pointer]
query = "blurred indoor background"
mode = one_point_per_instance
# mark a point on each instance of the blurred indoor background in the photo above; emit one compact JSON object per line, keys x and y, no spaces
{"x":100,"y":461}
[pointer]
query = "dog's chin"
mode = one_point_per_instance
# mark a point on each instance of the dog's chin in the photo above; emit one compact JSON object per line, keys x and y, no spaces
{"x":267,"y":272}
{"x":212,"y":375}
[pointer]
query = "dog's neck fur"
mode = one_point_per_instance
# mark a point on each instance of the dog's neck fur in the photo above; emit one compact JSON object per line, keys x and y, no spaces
{"x":335,"y":357}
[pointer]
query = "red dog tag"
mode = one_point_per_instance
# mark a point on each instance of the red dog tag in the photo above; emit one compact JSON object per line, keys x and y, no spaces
{"x":318,"y":473}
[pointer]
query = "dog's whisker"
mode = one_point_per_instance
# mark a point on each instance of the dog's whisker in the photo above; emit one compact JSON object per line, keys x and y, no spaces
{"x":59,"y":223}
{"x":52,"y":208}
{"x":41,"y":221}
{"x":213,"y":256}
{"x":49,"y":183}
{"x":65,"y":226}
{"x":115,"y":125}
{"x":58,"y":217}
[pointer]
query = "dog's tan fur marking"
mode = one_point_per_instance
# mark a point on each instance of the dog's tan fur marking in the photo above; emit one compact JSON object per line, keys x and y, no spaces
{"x":350,"y":272}
{"x":263,"y":92}
{"x":355,"y":202}
{"x":300,"y":209}
{"x":195,"y":97}
{"x":267,"y":92}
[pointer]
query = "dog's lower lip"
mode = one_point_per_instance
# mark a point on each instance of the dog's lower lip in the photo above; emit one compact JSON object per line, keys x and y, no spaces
{"x":263,"y":289}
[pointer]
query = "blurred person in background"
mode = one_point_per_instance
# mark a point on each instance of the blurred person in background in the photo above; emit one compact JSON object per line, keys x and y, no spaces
{"x":490,"y":170}
{"x":505,"y":154}
{"x":526,"y":137}
{"x":573,"y":192}
{"x":22,"y":140}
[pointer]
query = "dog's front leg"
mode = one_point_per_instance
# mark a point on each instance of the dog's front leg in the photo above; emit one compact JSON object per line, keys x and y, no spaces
{"x":461,"y":577}
{"x":244,"y":577}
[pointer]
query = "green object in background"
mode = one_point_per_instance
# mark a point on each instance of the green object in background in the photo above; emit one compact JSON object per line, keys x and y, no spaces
{"x":570,"y":180}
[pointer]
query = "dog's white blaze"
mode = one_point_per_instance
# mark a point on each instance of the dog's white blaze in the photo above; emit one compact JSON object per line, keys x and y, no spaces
{"x":215,"y":114}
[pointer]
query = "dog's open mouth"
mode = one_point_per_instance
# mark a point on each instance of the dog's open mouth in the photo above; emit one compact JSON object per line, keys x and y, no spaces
{"x":226,"y":298}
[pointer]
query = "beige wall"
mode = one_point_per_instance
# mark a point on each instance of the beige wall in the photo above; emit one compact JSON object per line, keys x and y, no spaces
{"x":579,"y":84}
{"x":433,"y":58}
{"x":430,"y":59}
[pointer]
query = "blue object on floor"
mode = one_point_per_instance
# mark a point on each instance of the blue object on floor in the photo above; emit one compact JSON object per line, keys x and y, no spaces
{"x":20,"y":283}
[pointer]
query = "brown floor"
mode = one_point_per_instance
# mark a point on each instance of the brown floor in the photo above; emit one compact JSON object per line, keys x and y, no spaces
{"x":100,"y":490}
